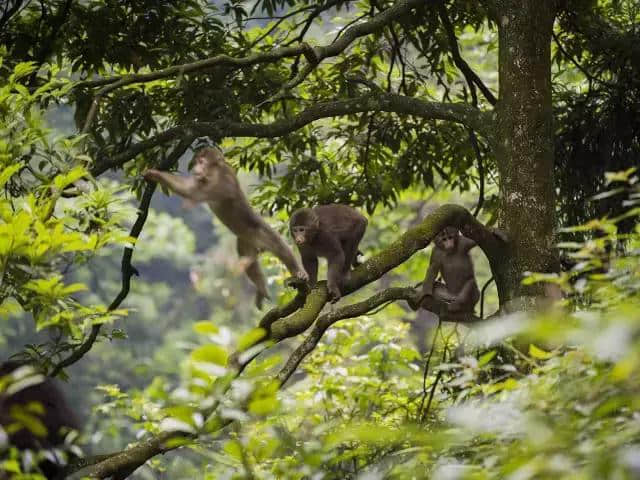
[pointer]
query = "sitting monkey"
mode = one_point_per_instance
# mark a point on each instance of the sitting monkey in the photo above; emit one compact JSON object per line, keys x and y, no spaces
{"x":330,"y":231}
{"x":213,"y":181}
{"x":450,"y":257}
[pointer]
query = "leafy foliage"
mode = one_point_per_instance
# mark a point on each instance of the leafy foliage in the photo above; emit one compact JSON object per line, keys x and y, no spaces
{"x":43,"y":234}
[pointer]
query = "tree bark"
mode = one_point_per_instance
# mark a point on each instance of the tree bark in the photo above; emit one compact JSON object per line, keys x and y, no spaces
{"x":524,"y":143}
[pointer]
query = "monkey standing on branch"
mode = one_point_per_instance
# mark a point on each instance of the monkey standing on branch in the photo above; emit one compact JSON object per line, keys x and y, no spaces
{"x":450,"y":257}
{"x":215,"y":182}
{"x":330,"y":231}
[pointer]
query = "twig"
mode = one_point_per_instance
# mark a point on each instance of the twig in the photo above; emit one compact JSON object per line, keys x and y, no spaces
{"x":426,"y":369}
{"x":460,"y":62}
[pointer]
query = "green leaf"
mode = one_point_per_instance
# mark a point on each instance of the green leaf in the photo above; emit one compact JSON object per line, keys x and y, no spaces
{"x":264,"y":405}
{"x":538,"y":353}
{"x":233,"y":449}
{"x":205,"y":328}
{"x":251,"y":338}
{"x":486,"y":358}
{"x":63,"y":180}
{"x":210,"y":354}
{"x":23,"y":69}
{"x":8,"y":172}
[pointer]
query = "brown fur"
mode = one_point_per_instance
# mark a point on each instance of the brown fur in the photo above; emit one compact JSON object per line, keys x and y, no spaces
{"x":213,"y":181}
{"x":450,"y":258}
{"x":330,"y":231}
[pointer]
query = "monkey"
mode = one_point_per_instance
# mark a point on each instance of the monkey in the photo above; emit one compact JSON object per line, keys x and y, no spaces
{"x":331,"y":231}
{"x":450,"y":257}
{"x":215,"y":182}
{"x":28,"y":399}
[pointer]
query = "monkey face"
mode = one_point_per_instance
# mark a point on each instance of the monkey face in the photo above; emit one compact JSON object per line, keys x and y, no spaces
{"x":447,"y":239}
{"x":300,"y":234}
{"x":304,"y":226}
{"x":200,"y":166}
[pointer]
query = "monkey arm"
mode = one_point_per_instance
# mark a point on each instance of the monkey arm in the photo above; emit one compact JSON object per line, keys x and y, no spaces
{"x":432,"y":272}
{"x":184,"y":186}
{"x":276,"y":245}
{"x":310,"y":264}
{"x":466,"y":243}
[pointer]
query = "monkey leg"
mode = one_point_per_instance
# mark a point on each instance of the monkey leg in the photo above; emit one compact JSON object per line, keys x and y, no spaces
{"x":467,"y":298}
{"x":350,"y":247}
{"x":441,"y":293}
{"x":269,"y":240}
{"x":249,"y":255}
{"x":439,"y":300}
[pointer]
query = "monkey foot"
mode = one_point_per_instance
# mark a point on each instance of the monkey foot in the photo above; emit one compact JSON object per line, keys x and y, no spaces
{"x":297,"y":283}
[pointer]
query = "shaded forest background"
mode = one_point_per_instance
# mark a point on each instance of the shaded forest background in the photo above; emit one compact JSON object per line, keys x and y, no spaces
{"x":554,"y":394}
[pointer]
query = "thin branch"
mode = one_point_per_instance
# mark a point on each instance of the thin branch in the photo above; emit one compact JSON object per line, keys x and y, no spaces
{"x":377,"y":22}
{"x":431,"y":394}
{"x":403,"y":66}
{"x":426,"y":370}
{"x":127,"y":269}
{"x":460,"y":62}
{"x":316,"y":55}
{"x":275,"y":25}
{"x":312,"y":16}
{"x":373,"y":102}
{"x":577,"y":64}
{"x":9,"y":12}
{"x":325,"y":321}
{"x":476,"y":148}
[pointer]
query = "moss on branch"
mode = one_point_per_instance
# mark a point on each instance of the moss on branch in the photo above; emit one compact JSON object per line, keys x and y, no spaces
{"x":412,"y":241}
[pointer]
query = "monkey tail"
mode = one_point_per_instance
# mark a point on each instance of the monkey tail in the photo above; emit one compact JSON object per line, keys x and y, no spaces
{"x":484,"y":288}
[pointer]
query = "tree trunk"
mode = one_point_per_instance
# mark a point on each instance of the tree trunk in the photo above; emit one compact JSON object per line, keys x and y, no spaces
{"x":524,"y":142}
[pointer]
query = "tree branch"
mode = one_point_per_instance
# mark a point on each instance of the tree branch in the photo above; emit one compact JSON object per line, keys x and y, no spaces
{"x":110,"y":84}
{"x":121,"y":464}
{"x":469,"y":74}
{"x":374,"y":102}
{"x":349,"y":311}
{"x":127,"y":269}
{"x":377,"y":22}
{"x":412,"y":241}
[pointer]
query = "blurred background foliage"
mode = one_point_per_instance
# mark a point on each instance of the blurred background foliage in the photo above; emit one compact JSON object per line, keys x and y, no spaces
{"x":382,"y":396}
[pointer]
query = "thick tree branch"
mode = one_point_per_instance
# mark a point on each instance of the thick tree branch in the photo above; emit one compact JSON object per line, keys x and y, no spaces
{"x":120,"y":464}
{"x":402,"y":7}
{"x":380,"y":299}
{"x":398,"y":252}
{"x":374,"y":102}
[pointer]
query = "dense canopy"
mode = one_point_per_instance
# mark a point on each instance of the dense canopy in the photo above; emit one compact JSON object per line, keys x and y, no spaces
{"x":514,"y":121}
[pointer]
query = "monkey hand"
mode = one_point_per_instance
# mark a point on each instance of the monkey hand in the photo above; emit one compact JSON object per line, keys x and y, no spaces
{"x":334,"y":293}
{"x":455,"y":305}
{"x":302,"y":275}
{"x":151,"y":175}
